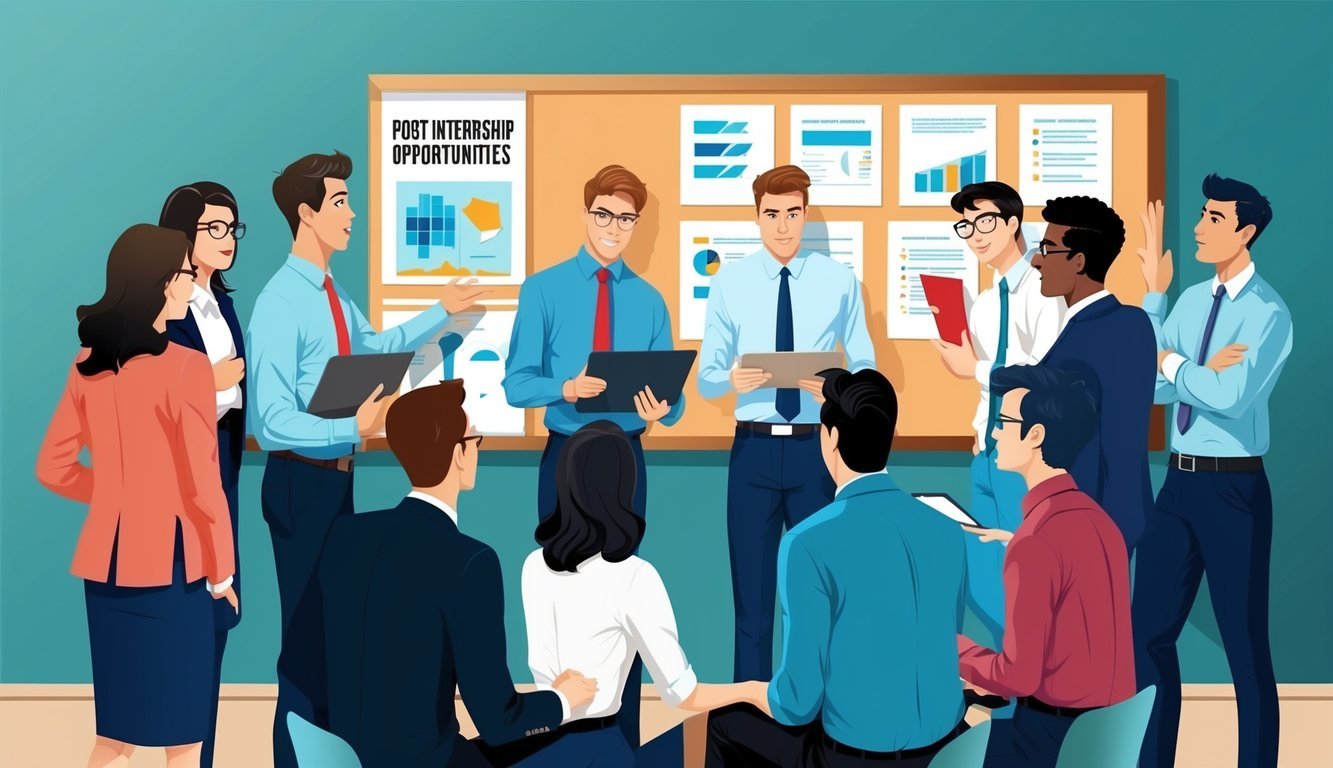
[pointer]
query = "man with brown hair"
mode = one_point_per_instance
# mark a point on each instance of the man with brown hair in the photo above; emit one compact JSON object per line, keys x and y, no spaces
{"x":413,"y":608}
{"x":591,"y":302}
{"x":777,"y":474}
{"x":302,"y":318}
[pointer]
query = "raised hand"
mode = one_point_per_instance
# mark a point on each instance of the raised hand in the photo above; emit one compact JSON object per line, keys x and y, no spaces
{"x":460,"y":295}
{"x":1155,"y":264}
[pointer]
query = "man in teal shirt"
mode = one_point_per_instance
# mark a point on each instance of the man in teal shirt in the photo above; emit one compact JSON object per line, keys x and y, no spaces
{"x":590,"y":303}
{"x":872,"y":593}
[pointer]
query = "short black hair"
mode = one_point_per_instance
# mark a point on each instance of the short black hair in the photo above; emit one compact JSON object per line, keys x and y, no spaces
{"x":1095,"y":230}
{"x":863,"y":407}
{"x":1004,"y":197}
{"x":596,"y":475}
{"x":1251,"y":207}
{"x":1057,"y":399}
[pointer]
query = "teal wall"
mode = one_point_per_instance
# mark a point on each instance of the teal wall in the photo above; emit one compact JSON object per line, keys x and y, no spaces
{"x":106,"y":108}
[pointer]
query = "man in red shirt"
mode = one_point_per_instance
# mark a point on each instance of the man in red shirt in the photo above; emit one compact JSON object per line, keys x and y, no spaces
{"x":1068,"y":647}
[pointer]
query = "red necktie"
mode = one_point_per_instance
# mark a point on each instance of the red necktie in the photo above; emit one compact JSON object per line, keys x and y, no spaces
{"x":601,"y":326}
{"x":339,"y":323}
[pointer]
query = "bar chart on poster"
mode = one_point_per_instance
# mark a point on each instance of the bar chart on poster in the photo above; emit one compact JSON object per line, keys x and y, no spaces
{"x":482,"y":176}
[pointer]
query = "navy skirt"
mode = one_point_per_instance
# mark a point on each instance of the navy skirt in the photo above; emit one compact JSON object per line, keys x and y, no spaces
{"x":152,"y":653}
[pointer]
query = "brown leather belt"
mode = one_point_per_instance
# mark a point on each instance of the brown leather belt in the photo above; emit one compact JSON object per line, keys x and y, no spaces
{"x":342,"y":463}
{"x":777,"y":430}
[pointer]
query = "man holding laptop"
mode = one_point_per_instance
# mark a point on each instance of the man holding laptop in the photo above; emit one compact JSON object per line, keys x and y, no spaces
{"x":301,"y":320}
{"x":777,"y":473}
{"x":591,"y":302}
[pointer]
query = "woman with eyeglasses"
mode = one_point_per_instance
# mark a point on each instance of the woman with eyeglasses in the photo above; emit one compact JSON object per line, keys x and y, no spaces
{"x":156,"y":547}
{"x":207,"y":214}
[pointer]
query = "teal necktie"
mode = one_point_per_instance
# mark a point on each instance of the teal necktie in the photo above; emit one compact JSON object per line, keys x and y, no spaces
{"x":1001,"y":349}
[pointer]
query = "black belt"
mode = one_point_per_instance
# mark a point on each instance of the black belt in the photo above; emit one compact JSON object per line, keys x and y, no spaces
{"x":590,"y":724}
{"x":1037,"y":705}
{"x":342,"y":463}
{"x":902,"y":754}
{"x":776,"y":430}
{"x":1217,"y":464}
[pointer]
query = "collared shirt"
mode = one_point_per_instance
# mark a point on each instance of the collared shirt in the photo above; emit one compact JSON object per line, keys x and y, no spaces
{"x":291,"y":338}
{"x":1083,"y":304}
{"x":1034,"y":325}
{"x":553,"y":333}
{"x":595,"y":621}
{"x":437,"y":503}
{"x":1067,"y":638}
{"x":1230,"y":408}
{"x":871,"y":584}
{"x":827,"y":310}
{"x":218,"y":342}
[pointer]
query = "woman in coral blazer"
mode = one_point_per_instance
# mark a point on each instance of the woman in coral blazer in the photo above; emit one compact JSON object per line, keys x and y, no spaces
{"x":157,"y":543}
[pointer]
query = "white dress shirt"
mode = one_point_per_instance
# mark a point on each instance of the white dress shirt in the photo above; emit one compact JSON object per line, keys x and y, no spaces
{"x":1034,"y":325}
{"x":1171,"y":365}
{"x":1079,"y":306}
{"x":595,"y":621}
{"x":218,"y":342}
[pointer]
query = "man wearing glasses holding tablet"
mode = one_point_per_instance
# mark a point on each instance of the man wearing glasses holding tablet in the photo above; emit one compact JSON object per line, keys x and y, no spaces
{"x":591,"y":302}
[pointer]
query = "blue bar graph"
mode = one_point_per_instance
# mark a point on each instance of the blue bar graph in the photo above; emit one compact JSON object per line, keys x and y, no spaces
{"x":922,"y":182}
{"x":953,"y":175}
{"x":936,"y":179}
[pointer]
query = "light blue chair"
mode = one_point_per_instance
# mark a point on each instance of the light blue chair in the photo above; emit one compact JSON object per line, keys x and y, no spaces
{"x":1110,"y":737}
{"x":317,"y":748}
{"x":966,"y":751}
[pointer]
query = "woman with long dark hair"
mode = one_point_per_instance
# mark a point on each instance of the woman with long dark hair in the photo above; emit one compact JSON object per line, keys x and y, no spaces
{"x":207,"y":214}
{"x":592,"y":605}
{"x":156,"y":544}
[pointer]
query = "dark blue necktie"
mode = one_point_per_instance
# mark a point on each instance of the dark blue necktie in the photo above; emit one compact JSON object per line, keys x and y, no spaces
{"x":788,"y":401}
{"x":1185,"y":412}
{"x":1001,"y":352}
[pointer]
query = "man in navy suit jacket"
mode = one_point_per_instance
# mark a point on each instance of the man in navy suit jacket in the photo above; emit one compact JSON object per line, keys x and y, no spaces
{"x":413,"y":607}
{"x":1111,"y":345}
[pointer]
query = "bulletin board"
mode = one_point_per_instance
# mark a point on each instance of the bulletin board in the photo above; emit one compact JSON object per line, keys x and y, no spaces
{"x":576,"y":124}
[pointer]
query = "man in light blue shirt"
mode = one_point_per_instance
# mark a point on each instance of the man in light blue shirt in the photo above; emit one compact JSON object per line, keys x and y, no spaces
{"x":592,"y":302}
{"x":872,"y":591}
{"x":1222,"y":350}
{"x":301,"y":319}
{"x":781,"y":299}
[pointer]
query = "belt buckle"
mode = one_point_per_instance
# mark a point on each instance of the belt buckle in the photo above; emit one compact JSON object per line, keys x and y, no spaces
{"x":1181,"y":463}
{"x":780,"y":430}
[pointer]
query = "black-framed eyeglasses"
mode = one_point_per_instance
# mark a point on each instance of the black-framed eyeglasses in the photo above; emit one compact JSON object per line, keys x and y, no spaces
{"x":1002,"y":419}
{"x":985,"y":224}
{"x":219,"y":229}
{"x":625,"y":221}
{"x":470,"y":438}
{"x":1045,"y":250}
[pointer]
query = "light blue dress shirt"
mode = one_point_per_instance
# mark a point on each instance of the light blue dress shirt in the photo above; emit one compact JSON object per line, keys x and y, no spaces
{"x":290,"y":339}
{"x":553,"y":337}
{"x":1230,"y":408}
{"x":872,"y":599}
{"x":742,"y":317}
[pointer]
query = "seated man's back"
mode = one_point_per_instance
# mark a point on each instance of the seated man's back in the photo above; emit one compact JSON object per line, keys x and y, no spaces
{"x":888,"y":571}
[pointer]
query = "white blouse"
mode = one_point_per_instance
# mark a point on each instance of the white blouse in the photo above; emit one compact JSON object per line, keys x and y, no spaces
{"x":595,"y":621}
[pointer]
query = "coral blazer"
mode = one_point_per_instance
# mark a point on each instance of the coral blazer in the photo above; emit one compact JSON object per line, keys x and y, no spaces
{"x":151,"y":432}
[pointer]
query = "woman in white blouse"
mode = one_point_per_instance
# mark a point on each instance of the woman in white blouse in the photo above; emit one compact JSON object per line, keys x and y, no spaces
{"x":592,"y":605}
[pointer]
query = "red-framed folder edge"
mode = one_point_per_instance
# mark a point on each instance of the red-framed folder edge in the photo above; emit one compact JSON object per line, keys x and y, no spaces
{"x":946,"y":294}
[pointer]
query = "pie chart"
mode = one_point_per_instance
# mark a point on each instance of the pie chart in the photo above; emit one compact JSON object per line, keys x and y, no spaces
{"x":707,"y":262}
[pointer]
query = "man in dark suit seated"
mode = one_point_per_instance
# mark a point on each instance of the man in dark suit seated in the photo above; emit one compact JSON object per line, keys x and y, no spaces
{"x":1113,"y":349}
{"x":413,"y":608}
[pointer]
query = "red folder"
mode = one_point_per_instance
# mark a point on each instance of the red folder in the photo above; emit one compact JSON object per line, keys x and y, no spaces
{"x":946,"y":294}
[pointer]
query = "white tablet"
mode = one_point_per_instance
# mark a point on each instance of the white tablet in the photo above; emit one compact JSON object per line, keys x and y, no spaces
{"x":945,"y":505}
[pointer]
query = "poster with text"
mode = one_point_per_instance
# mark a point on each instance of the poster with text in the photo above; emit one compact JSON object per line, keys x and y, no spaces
{"x":943,"y":148}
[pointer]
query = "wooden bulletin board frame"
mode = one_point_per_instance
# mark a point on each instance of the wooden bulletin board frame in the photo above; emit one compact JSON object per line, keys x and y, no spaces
{"x":1123,"y":281}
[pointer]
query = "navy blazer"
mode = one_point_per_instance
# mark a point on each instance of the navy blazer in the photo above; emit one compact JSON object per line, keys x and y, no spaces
{"x":1113,"y":346}
{"x":231,"y":434}
{"x":412,"y":608}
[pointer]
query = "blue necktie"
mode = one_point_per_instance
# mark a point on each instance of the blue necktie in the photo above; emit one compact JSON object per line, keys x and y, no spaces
{"x":788,"y":401}
{"x":1185,"y":412}
{"x":1001,"y":349}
